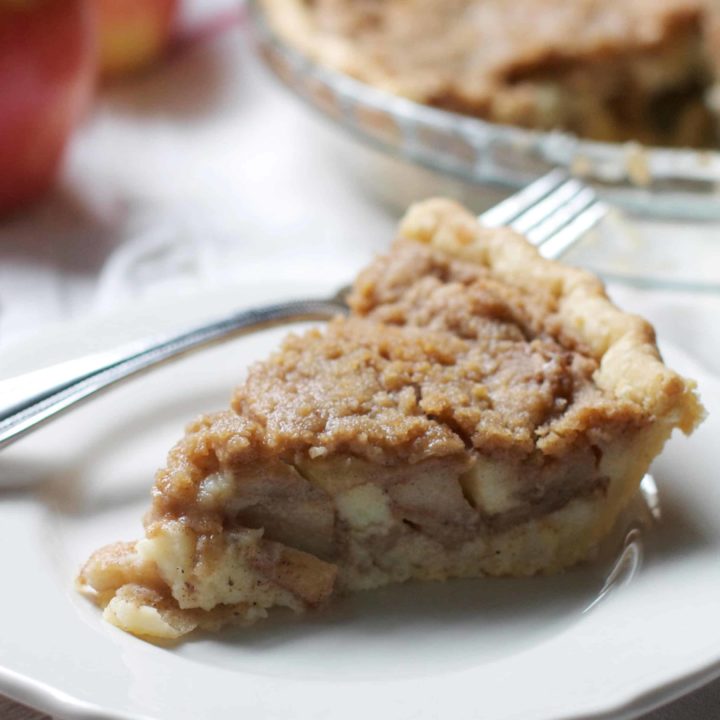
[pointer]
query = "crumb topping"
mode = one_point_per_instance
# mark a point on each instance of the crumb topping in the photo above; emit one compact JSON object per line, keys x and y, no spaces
{"x":438,"y":356}
{"x":435,"y":43}
{"x":606,"y":69}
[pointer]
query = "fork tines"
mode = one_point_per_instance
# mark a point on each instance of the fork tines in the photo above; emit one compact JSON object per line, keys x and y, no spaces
{"x":553,"y":213}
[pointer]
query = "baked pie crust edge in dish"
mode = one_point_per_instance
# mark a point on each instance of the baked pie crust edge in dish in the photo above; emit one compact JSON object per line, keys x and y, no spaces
{"x":482,"y":412}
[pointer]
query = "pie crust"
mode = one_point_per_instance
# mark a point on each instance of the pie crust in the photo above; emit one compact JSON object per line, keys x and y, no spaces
{"x":482,"y":411}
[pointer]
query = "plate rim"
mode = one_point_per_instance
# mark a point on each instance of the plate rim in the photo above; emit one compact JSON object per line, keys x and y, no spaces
{"x":45,"y":698}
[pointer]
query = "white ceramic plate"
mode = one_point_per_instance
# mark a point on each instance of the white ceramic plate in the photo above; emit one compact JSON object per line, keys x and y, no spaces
{"x":545,"y":648}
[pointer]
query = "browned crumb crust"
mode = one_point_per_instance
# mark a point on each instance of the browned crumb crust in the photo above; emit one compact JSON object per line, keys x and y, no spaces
{"x":606,"y":69}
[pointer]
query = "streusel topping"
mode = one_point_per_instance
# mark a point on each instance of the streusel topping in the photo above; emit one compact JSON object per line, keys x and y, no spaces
{"x":362,"y":387}
{"x":438,"y":355}
{"x":429,"y":47}
{"x":610,"y":70}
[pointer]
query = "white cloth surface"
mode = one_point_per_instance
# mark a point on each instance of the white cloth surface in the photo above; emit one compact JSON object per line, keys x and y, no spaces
{"x":202,"y":165}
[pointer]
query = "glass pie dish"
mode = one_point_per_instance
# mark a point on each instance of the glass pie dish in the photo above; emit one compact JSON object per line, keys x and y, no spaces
{"x":405,"y":150}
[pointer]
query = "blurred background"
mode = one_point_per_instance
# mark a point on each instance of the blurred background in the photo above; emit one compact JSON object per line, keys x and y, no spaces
{"x":147,"y":146}
{"x":184,"y":164}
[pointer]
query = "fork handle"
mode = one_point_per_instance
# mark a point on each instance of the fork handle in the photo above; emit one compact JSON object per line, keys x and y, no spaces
{"x":21,"y":411}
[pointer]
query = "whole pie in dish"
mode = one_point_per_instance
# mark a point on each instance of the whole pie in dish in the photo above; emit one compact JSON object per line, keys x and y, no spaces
{"x":482,"y":411}
{"x":610,"y":70}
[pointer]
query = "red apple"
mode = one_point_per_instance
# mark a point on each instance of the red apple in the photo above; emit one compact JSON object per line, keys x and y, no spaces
{"x":133,"y":33}
{"x":47,"y":75}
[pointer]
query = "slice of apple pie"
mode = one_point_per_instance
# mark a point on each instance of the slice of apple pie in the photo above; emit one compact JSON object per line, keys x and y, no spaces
{"x":482,"y":411}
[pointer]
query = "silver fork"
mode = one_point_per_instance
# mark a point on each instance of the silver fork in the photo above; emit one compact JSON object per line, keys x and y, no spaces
{"x":553,"y":213}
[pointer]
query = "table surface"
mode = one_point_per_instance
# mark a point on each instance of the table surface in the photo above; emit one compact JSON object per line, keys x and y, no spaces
{"x":132,"y":216}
